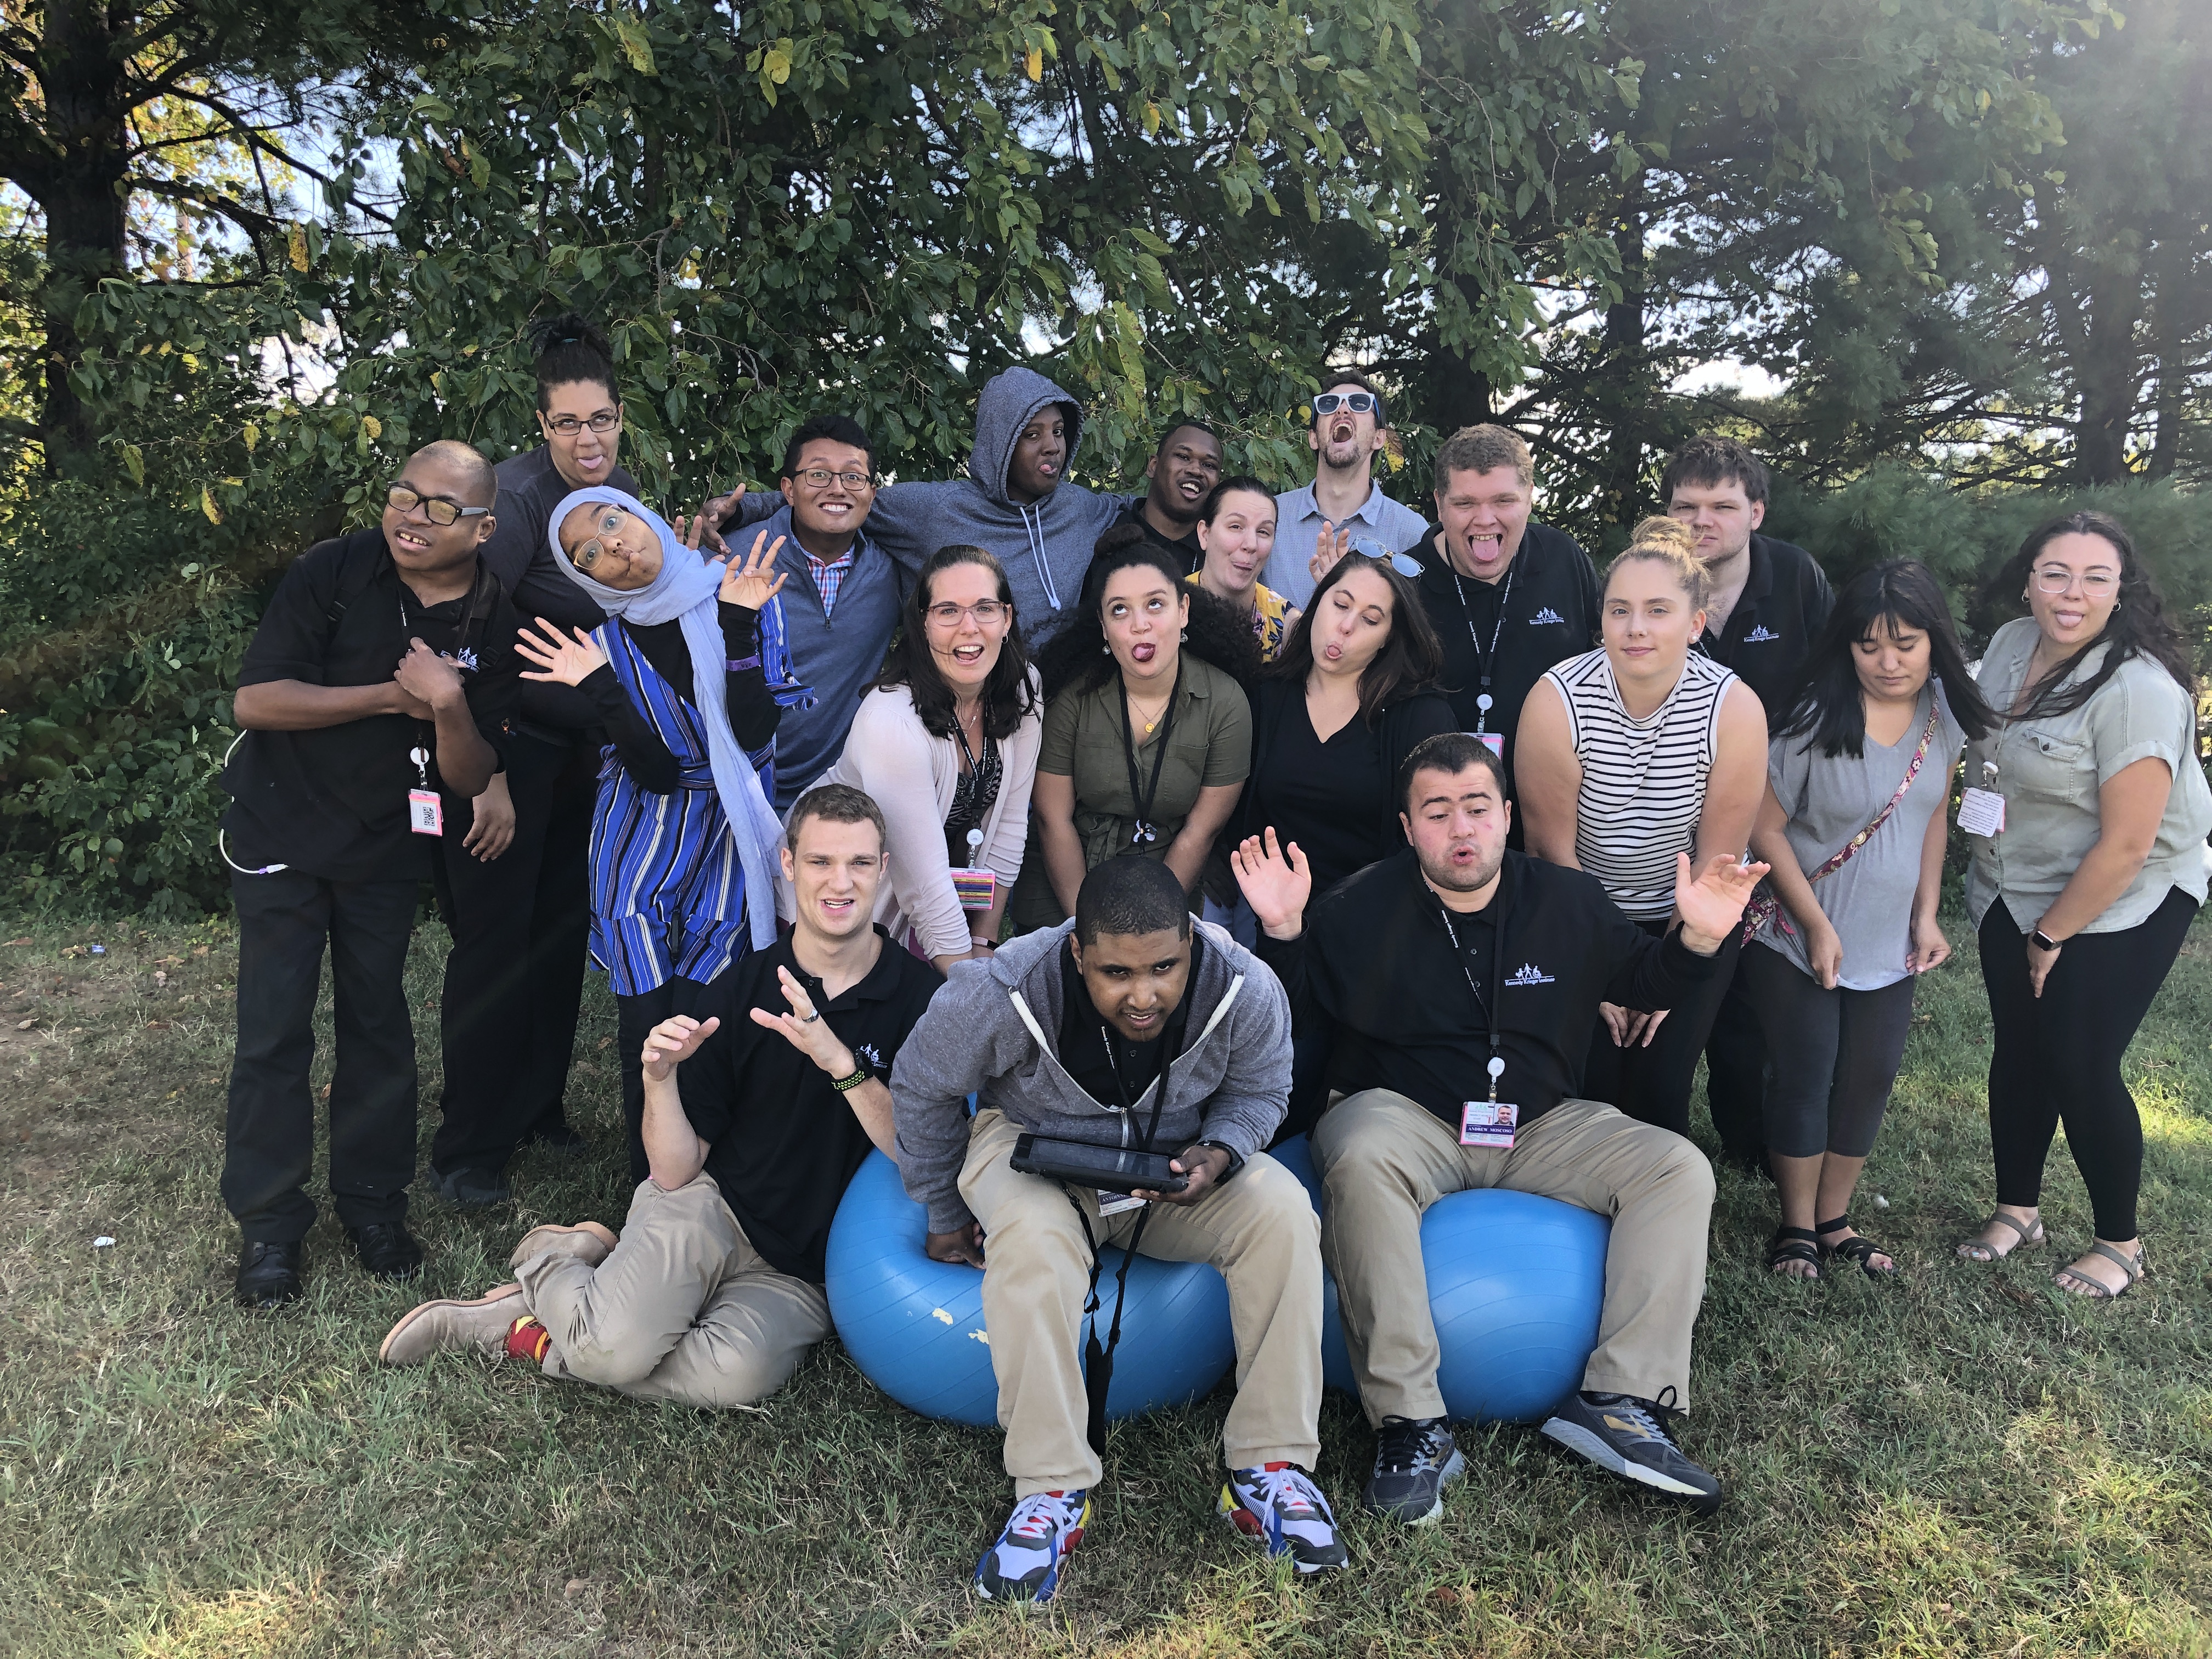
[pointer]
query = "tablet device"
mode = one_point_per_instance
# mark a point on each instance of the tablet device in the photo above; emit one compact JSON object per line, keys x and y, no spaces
{"x":1111,"y":1169}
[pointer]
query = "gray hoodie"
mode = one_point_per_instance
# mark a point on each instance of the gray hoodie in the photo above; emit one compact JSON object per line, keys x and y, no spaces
{"x":1045,"y":544}
{"x":994,"y":1031}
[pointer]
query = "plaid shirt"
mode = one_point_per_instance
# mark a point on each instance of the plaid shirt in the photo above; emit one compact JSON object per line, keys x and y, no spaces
{"x":830,"y":576}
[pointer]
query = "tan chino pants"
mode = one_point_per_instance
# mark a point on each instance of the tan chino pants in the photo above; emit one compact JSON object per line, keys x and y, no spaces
{"x":684,"y":1308}
{"x":1258,"y":1229}
{"x":1383,"y":1160}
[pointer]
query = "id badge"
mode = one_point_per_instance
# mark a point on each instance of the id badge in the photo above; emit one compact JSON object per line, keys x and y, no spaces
{"x":1489,"y":1123}
{"x":1981,"y":812}
{"x":426,"y":814}
{"x":1114,"y":1203}
{"x":976,"y":888}
{"x":1493,"y":741}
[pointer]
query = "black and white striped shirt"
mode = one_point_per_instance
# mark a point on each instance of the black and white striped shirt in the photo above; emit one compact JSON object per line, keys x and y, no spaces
{"x":1643,"y":781}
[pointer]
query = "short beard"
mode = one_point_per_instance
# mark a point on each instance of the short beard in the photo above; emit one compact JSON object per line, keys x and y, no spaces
{"x":1453,"y":881}
{"x":1357,"y":456}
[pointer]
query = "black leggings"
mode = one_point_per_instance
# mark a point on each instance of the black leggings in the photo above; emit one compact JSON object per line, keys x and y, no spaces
{"x":2058,"y":1057}
{"x":1652,"y":1085}
{"x":1836,"y":1053}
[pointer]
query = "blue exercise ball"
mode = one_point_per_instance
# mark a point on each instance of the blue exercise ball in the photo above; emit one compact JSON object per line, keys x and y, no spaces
{"x":1516,"y":1284}
{"x":915,"y":1327}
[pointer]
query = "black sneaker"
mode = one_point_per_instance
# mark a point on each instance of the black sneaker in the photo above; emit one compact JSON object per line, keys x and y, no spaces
{"x":1628,"y":1435}
{"x":1415,"y":1459}
{"x":387,"y":1250}
{"x":471,"y":1189}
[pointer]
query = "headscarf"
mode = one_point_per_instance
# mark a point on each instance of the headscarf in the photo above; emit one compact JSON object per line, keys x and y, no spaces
{"x":685,"y":590}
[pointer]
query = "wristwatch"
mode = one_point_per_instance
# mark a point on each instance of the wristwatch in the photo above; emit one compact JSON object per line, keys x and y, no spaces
{"x":2043,"y":941}
{"x":1236,"y":1159}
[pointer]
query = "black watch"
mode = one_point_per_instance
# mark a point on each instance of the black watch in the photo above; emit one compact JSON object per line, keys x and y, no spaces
{"x":2043,"y":941}
{"x":1236,"y":1159}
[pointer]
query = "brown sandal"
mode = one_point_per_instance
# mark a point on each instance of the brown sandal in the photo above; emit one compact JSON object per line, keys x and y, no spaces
{"x":2135,"y":1266}
{"x":1975,"y":1249}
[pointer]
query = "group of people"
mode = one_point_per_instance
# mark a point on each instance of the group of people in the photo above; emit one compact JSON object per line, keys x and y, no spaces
{"x":927,"y":815}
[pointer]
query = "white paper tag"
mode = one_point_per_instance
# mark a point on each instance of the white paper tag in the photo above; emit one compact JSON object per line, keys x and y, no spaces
{"x":1981,"y":812}
{"x":1114,"y":1203}
{"x":1489,"y":1123}
{"x":426,"y":814}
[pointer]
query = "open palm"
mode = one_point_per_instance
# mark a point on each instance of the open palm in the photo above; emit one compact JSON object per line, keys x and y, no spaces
{"x":570,"y":662}
{"x":748,"y":584}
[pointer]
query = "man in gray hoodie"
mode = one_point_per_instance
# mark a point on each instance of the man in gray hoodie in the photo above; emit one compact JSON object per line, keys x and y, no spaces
{"x":1128,"y":1026}
{"x":1015,"y":502}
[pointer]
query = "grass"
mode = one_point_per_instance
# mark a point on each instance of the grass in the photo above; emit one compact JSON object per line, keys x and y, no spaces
{"x":1966,"y":1462}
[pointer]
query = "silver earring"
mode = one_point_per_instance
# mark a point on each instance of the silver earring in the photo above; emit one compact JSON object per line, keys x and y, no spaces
{"x":1186,"y":637}
{"x":1105,"y":650}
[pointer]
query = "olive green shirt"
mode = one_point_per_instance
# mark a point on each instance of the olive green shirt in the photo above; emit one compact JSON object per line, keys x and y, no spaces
{"x":2049,"y":770}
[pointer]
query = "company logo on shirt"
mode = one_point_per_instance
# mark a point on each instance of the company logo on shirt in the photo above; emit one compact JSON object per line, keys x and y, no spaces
{"x":1547,"y":618}
{"x":867,"y":1053}
{"x":1761,"y":635}
{"x":1530,"y":975}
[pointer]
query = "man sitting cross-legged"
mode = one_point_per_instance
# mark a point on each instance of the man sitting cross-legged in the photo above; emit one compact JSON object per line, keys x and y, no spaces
{"x":1125,"y":1026}
{"x":1460,"y":980}
{"x":714,"y":1293}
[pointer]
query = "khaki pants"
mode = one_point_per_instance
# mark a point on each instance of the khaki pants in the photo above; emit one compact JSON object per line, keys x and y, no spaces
{"x":683,"y":1309}
{"x":1258,"y":1229}
{"x":1383,"y":1160}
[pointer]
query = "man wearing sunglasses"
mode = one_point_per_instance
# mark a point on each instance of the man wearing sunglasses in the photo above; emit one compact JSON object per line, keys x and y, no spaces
{"x":1349,"y":424}
{"x":370,"y":695}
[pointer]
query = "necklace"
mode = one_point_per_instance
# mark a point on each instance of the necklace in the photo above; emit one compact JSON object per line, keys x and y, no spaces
{"x":1155,"y":720}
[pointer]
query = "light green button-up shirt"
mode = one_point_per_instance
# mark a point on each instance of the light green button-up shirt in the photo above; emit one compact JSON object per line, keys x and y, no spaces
{"x":2050,"y":770}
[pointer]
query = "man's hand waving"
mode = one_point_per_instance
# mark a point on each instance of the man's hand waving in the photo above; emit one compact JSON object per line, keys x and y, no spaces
{"x":1712,"y":905}
{"x":1275,"y":885}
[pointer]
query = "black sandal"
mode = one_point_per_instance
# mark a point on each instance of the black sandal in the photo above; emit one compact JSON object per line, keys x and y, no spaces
{"x":1793,"y":1244}
{"x":1858,"y":1247}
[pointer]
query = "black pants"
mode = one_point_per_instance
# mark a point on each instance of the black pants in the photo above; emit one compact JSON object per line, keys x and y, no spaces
{"x":1735,"y":1072}
{"x":521,"y":924}
{"x":2057,"y":1057}
{"x":634,"y":1018}
{"x":269,"y":1136}
{"x":1652,"y":1084}
{"x":1837,"y":1053}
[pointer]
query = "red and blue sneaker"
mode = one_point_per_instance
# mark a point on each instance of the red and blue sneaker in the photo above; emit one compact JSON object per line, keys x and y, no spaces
{"x":1279,"y":1505}
{"x":1023,"y":1565}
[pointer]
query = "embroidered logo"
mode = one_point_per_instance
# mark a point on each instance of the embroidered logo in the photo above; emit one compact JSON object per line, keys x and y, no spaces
{"x":1761,"y":635}
{"x":866,"y":1051}
{"x":1547,"y":618}
{"x":1531,"y":974}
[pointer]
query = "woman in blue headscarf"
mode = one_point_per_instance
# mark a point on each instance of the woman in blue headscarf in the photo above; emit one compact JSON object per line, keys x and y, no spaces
{"x":689,"y":674}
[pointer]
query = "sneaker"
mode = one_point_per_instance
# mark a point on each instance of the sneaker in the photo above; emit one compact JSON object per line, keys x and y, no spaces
{"x":1280,"y":1505}
{"x":479,"y":1326}
{"x":1415,"y":1459}
{"x":1628,"y":1435}
{"x":1023,"y":1565}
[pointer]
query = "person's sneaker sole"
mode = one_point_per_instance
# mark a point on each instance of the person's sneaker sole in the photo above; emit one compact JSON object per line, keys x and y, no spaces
{"x":587,"y":1240}
{"x":1454,"y":1468}
{"x":1584,"y":1443}
{"x":415,"y":1316}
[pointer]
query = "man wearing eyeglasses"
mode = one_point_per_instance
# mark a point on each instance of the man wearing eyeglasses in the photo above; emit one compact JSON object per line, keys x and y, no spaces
{"x":842,"y":602}
{"x":1349,"y":424}
{"x":372,"y":690}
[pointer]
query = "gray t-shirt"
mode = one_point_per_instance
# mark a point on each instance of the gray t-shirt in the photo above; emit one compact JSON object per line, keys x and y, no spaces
{"x":1829,"y":799}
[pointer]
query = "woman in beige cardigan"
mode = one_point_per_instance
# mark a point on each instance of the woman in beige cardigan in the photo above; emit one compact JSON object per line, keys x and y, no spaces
{"x":947,"y":744}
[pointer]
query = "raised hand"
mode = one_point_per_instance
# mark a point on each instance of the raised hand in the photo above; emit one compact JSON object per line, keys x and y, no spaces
{"x":805,"y":1029}
{"x":719,"y":512}
{"x":1276,"y":886}
{"x":1332,"y":544}
{"x":748,"y":584}
{"x":1713,"y":904}
{"x":672,"y":1042}
{"x":571,"y":662}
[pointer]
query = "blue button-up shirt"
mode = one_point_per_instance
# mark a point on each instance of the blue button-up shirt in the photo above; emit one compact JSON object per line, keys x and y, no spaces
{"x":1298,"y":532}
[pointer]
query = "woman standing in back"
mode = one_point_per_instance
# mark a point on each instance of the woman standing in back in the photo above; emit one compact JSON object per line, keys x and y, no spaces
{"x":2087,"y":812}
{"x":1626,"y":756}
{"x":1236,"y":529}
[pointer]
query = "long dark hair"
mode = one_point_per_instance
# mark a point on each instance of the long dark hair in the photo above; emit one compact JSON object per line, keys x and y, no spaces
{"x":1824,"y":706}
{"x":1078,"y":657}
{"x":1411,"y":659}
{"x":1008,"y":697}
{"x":568,"y":349}
{"x":2138,"y":627}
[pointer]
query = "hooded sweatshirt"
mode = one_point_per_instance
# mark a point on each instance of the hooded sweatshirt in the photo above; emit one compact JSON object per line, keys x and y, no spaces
{"x":1045,"y":544}
{"x":994,"y":1031}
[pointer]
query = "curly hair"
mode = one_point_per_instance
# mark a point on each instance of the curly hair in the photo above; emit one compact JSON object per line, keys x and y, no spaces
{"x":1077,"y":656}
{"x":567,"y":349}
{"x":1008,"y":698}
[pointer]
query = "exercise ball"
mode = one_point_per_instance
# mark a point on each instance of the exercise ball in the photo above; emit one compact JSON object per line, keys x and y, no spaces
{"x":915,"y":1327}
{"x":1516,"y":1284}
{"x":1295,"y":1155}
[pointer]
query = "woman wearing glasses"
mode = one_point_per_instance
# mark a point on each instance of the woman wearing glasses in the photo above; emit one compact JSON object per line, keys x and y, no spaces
{"x":2086,"y":810}
{"x":946,"y":744}
{"x":683,"y":842}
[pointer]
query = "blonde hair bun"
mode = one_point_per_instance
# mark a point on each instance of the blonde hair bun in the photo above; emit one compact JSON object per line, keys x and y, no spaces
{"x":1659,"y":540}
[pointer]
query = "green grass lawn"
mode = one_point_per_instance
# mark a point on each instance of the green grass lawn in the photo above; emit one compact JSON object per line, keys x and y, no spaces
{"x":1963,"y":1463}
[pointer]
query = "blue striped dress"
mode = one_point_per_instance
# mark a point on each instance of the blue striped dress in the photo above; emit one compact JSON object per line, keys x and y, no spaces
{"x":668,"y":889}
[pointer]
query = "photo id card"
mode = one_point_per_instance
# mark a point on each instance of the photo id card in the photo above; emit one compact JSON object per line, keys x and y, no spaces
{"x":1489,"y":1123}
{"x":976,"y":888}
{"x":426,"y":814}
{"x":1493,"y":741}
{"x":1114,"y":1203}
{"x":1981,"y":812}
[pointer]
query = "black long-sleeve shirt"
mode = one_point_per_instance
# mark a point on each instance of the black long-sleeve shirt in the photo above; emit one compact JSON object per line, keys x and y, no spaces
{"x":1376,"y":968}
{"x":752,"y":706}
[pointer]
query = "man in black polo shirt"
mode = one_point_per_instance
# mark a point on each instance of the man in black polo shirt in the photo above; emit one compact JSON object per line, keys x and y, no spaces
{"x":1182,"y":472}
{"x":1769,"y":600}
{"x":755,"y":1118}
{"x":1508,"y":597}
{"x":383,"y":664}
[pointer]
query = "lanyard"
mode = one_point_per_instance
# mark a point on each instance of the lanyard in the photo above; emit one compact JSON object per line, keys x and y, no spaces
{"x":1489,"y":1006}
{"x":1140,"y":802}
{"x":1483,"y":660}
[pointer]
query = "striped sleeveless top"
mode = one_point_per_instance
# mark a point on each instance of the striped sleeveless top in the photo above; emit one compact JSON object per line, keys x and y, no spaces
{"x":1643,"y":781}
